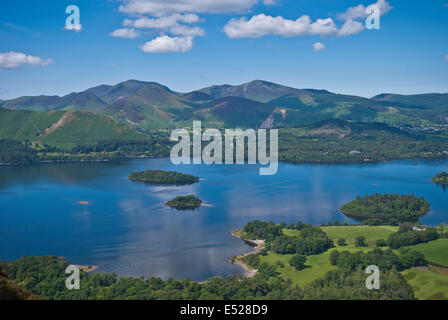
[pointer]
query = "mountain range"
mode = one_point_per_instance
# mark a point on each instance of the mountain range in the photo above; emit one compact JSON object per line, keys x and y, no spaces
{"x":149,"y":105}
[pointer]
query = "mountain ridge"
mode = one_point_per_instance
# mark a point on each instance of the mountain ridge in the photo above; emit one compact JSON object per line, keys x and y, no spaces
{"x":151,"y":105}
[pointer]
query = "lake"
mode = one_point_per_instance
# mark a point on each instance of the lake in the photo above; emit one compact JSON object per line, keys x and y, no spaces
{"x":92,"y":214}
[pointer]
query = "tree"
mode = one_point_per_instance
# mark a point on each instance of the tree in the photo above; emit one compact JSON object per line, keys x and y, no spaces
{"x":360,"y":241}
{"x":298,"y":261}
{"x":341,"y":242}
{"x":381,"y":243}
{"x":334,"y":256}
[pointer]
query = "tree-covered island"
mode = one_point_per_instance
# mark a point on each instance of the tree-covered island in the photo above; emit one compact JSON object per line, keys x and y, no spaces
{"x":390,"y":209}
{"x":185,"y":202}
{"x":163,"y":177}
{"x":441,"y":178}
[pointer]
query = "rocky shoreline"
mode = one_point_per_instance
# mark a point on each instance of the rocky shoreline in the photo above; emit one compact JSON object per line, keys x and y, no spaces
{"x":257,"y":245}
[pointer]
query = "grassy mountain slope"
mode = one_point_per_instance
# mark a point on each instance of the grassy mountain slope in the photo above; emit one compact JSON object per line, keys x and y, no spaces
{"x":149,"y":105}
{"x":38,"y":103}
{"x":64,"y":129}
{"x":323,"y":104}
{"x":430,"y":106}
{"x":81,"y":101}
{"x":232,"y":112}
{"x":75,"y":101}
{"x":139,"y":113}
{"x":257,"y":90}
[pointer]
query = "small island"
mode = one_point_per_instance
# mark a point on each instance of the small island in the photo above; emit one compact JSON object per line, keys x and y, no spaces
{"x":163,"y":177}
{"x":190,"y":202}
{"x":381,"y":209}
{"x":441,"y":178}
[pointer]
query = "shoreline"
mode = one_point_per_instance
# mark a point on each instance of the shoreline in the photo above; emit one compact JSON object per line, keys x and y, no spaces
{"x":257,"y":245}
{"x":87,"y":269}
{"x":112,"y":159}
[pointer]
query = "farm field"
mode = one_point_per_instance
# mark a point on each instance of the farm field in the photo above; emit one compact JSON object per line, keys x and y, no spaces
{"x":427,"y":284}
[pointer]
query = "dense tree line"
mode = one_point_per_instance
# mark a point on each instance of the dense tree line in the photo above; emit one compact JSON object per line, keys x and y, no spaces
{"x":310,"y":240}
{"x":406,"y":236}
{"x":386,"y":208}
{"x":155,"y":146}
{"x":17,"y":153}
{"x":9,"y":290}
{"x":341,"y":285}
{"x":45,"y":276}
{"x":374,"y":146}
{"x":262,"y":230}
{"x":384,"y":259}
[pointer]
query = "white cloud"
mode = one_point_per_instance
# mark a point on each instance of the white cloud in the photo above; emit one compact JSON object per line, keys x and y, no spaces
{"x":11,"y":60}
{"x":164,"y":22}
{"x":176,"y":24}
{"x":350,"y":27}
{"x":269,"y":2}
{"x":125,"y":33}
{"x":163,"y":44}
{"x":446,"y":57}
{"x":165,"y":7}
{"x":261,"y":25}
{"x":182,"y":30}
{"x":359,"y":11}
{"x":318,"y":46}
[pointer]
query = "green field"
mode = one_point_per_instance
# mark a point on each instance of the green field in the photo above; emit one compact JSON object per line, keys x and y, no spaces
{"x":436,"y":252}
{"x":318,"y":265}
{"x":349,"y":233}
{"x":427,"y":284}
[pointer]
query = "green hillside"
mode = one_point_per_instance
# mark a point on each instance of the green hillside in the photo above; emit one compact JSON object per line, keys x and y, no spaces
{"x":231,"y":112}
{"x":38,"y":103}
{"x":300,"y":110}
{"x":64,"y":129}
{"x":136,"y":112}
{"x":431,"y":106}
{"x":75,"y":101}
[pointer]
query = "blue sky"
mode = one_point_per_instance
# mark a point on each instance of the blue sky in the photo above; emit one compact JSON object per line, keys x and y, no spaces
{"x":187,"y":45}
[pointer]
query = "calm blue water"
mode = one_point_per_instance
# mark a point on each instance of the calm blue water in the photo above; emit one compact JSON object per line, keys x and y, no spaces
{"x":126,"y":228}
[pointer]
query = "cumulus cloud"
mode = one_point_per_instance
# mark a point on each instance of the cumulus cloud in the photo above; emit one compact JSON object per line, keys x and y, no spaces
{"x":182,"y":30}
{"x":261,"y":25}
{"x":163,"y":44}
{"x":175,"y":24}
{"x":162,"y":22}
{"x":318,"y":46}
{"x":11,"y":60}
{"x":350,"y":27}
{"x":165,"y":7}
{"x":125,"y":33}
{"x":359,"y":12}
